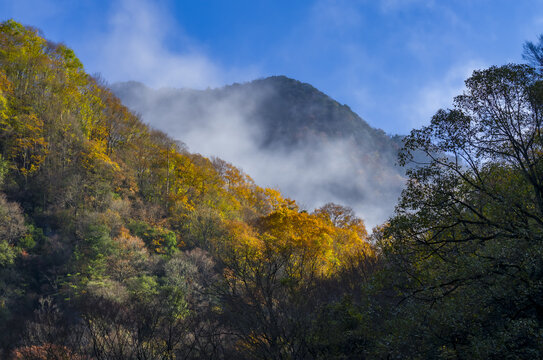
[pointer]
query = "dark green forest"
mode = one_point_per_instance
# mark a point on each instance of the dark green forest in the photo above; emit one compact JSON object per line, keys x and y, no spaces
{"x":116,"y":242}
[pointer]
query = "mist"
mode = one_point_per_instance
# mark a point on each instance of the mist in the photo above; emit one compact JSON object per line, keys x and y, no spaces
{"x":227,"y":123}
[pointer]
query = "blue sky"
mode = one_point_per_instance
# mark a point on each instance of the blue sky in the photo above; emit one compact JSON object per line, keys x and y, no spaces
{"x":394,"y":62}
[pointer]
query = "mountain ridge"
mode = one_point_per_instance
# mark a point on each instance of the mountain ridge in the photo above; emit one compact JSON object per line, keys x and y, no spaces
{"x":276,"y":126}
{"x":292,"y":88}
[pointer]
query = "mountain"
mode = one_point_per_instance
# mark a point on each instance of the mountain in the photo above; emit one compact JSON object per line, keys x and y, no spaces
{"x":289,"y":111}
{"x":284,"y":133}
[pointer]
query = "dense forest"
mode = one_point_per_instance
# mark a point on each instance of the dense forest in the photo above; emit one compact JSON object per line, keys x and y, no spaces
{"x":118,"y":243}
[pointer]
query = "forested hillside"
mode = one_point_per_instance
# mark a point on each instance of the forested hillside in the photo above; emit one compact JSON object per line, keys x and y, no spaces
{"x":314,"y":149}
{"x":118,"y":243}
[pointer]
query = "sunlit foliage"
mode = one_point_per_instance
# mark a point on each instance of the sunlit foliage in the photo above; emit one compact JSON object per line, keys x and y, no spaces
{"x":116,"y":242}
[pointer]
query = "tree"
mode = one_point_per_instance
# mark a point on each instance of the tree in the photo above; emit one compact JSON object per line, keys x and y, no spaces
{"x":533,"y":53}
{"x":466,"y":239}
{"x":273,"y":273}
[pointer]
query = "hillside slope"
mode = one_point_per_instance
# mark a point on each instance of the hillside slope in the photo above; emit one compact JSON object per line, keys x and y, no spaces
{"x":117,"y":243}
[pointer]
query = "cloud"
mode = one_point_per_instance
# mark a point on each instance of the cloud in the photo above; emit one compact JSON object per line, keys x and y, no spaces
{"x":143,"y":42}
{"x":439,"y":93}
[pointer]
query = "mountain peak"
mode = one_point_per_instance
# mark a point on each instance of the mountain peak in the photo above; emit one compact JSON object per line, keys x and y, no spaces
{"x":285,"y":133}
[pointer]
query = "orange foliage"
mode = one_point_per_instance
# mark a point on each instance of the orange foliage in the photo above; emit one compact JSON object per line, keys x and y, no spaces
{"x":307,"y":243}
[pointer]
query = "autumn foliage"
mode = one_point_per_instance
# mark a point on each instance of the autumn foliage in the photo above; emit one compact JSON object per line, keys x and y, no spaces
{"x":126,"y":245}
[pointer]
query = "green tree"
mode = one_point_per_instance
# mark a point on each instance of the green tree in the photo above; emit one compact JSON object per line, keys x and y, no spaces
{"x":465,"y":244}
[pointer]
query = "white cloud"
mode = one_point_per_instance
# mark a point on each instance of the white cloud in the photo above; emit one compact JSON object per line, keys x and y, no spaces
{"x":439,"y":93}
{"x":139,"y":45}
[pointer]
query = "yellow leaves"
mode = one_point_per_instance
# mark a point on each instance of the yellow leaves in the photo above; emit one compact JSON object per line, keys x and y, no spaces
{"x":43,"y":89}
{"x":88,"y":126}
{"x":348,"y":232}
{"x":99,"y":156}
{"x":294,"y":227}
{"x":238,"y":188}
{"x":276,"y":200}
{"x":243,"y":237}
{"x":90,"y":108}
{"x":189,"y":181}
{"x":307,"y":243}
{"x":26,"y":40}
{"x":27,"y":147}
{"x":5,"y":88}
{"x":95,"y":154}
{"x":3,"y":107}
